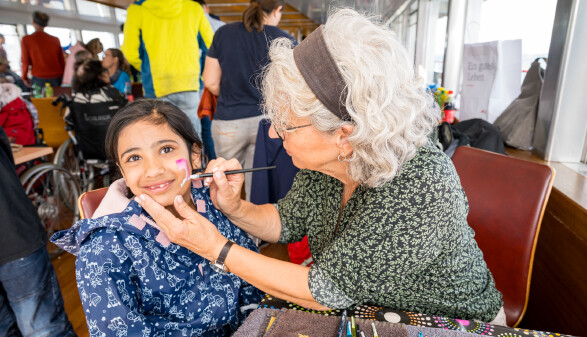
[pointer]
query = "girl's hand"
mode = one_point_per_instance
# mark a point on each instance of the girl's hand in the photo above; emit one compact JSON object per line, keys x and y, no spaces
{"x":194,"y":232}
{"x":225,"y":190}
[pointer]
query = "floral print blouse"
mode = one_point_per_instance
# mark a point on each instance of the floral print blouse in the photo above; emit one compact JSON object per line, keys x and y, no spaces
{"x":404,"y":245}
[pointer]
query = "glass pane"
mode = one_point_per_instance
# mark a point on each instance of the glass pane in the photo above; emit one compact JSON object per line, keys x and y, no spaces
{"x":12,"y":46}
{"x":66,"y":36}
{"x":120,"y":38}
{"x":439,"y":46}
{"x":500,"y":20}
{"x":106,"y":38}
{"x":85,"y":7}
{"x":120,"y":15}
{"x":53,"y":4}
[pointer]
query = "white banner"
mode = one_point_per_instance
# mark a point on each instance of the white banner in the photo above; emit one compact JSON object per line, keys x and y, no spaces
{"x":491,"y":78}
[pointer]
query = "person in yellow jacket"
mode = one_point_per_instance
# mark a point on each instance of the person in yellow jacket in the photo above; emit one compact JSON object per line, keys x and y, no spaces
{"x":161,"y":39}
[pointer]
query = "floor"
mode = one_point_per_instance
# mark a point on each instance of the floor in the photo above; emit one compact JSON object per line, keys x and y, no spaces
{"x":64,"y":265}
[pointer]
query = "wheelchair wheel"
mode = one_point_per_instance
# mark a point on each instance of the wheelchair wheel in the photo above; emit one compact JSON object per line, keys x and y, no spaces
{"x":40,"y":186}
{"x":65,"y":157}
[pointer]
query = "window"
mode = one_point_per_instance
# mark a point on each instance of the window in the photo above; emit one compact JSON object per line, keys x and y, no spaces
{"x":53,"y":4}
{"x":85,"y":7}
{"x":12,"y":46}
{"x":120,"y":15}
{"x":66,"y":36}
{"x":500,"y":20}
{"x":106,"y":38}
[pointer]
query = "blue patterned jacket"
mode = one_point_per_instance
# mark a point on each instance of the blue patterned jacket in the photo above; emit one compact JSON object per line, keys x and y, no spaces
{"x":133,"y":282}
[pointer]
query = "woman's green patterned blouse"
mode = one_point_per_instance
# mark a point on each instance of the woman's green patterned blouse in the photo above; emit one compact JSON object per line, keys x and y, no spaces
{"x":405,"y":245}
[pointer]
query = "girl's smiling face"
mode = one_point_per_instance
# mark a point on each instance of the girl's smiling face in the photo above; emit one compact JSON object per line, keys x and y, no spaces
{"x":147,"y":155}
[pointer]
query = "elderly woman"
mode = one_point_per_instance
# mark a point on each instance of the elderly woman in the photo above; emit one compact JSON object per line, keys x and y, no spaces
{"x":383,"y":208}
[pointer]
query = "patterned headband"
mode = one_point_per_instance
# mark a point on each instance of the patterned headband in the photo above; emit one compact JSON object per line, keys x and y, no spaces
{"x":321,"y":73}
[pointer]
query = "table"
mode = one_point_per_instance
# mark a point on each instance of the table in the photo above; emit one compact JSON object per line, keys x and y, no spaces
{"x":29,"y":153}
{"x":307,"y":322}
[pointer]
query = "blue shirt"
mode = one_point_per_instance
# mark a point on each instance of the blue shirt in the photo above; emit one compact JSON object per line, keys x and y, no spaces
{"x":132,"y":282}
{"x":120,"y":82}
{"x":242,"y":55}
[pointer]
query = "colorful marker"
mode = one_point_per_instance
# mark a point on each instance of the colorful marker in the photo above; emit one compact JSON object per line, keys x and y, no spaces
{"x":342,"y":324}
{"x":374,"y":330}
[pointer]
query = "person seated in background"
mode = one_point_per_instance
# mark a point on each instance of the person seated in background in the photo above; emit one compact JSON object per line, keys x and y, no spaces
{"x":118,"y":69}
{"x":132,"y":281}
{"x":91,"y":84}
{"x":9,"y":76}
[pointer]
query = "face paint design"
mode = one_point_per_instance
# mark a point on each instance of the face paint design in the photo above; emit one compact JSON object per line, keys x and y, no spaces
{"x":182,"y":164}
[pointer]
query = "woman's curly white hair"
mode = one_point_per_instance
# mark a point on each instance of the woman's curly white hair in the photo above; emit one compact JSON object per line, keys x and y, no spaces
{"x":391,"y":112}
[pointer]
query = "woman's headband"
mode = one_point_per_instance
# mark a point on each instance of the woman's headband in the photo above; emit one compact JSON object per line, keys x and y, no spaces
{"x":321,"y":73}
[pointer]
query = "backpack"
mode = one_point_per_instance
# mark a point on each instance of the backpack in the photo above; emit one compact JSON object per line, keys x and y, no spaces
{"x":518,"y":120}
{"x":17,"y":121}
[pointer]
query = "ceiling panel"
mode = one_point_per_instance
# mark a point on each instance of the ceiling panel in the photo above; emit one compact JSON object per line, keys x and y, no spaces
{"x":292,"y":20}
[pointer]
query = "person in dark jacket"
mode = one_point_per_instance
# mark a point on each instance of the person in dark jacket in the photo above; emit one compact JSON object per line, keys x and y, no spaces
{"x":30,"y":298}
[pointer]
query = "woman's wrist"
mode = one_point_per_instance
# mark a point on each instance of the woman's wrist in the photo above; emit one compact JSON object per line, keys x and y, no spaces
{"x":237,"y":212}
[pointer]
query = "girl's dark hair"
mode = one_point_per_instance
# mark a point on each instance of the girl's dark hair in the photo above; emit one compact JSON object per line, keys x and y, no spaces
{"x":122,"y":64}
{"x":154,"y":111}
{"x":87,"y":76}
{"x":253,"y":15}
{"x":81,"y":55}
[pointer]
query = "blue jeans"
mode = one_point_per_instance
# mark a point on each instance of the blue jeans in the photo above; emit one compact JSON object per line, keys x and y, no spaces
{"x":187,"y":101}
{"x":30,"y":298}
{"x":54,"y":82}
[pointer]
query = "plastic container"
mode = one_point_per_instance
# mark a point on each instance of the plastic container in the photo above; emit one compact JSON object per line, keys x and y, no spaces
{"x":48,"y":90}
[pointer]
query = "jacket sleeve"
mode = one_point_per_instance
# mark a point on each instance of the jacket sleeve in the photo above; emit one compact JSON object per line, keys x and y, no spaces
{"x":132,"y":30}
{"x":206,"y":30}
{"x":109,"y":292}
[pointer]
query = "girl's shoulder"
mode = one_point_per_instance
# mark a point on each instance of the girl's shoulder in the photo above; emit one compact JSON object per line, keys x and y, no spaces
{"x":204,"y":206}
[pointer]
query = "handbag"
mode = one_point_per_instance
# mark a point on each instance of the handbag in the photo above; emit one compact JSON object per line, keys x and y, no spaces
{"x":518,"y":120}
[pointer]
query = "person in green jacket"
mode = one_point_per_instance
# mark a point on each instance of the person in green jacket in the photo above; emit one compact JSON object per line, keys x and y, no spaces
{"x":161,"y":39}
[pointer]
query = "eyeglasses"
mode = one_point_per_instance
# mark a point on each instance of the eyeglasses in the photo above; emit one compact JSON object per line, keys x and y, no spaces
{"x":281,"y":131}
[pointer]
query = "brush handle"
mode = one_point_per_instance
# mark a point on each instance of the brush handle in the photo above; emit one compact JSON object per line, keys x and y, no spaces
{"x":206,"y":175}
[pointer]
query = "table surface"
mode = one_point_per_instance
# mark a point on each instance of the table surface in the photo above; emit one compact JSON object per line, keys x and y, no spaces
{"x":30,"y":153}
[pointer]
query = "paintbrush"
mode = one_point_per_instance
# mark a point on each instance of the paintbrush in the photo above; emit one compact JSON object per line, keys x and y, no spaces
{"x":183,"y":165}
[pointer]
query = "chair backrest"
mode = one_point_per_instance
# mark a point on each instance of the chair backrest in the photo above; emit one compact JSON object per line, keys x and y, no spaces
{"x":90,"y":123}
{"x":89,"y":201}
{"x":507,"y":198}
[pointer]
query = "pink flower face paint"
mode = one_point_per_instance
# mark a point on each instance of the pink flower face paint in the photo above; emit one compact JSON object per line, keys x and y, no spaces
{"x":182,"y":164}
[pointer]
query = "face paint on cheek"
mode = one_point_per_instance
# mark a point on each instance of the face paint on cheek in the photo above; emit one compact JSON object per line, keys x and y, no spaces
{"x":182,"y":164}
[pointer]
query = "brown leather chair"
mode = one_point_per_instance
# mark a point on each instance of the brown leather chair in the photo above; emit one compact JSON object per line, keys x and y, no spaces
{"x":89,"y":202}
{"x":507,"y":198}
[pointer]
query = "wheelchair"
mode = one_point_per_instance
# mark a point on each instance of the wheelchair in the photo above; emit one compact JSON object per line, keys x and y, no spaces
{"x":83,"y":154}
{"x":54,"y":191}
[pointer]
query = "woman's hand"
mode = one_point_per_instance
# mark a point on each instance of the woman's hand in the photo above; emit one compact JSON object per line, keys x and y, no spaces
{"x":225,"y":190}
{"x":195,"y":232}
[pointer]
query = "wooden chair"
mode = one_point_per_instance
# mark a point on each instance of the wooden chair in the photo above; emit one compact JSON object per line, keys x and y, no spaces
{"x":507,"y":198}
{"x":89,"y":201}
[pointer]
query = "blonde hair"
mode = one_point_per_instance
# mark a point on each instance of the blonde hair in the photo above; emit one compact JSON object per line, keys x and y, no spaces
{"x":391,"y":112}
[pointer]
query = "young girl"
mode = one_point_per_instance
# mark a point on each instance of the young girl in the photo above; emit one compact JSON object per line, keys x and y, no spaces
{"x":132,"y":281}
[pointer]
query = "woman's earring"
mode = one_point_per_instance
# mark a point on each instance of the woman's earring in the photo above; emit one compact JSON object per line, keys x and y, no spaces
{"x":342,"y":157}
